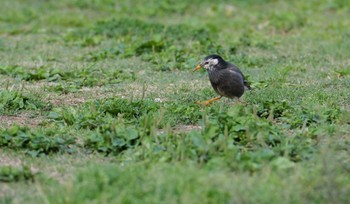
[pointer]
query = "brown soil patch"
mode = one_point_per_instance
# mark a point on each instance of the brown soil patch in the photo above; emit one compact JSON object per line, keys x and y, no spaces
{"x":187,"y":128}
{"x":20,"y":120}
{"x":67,"y":99}
{"x":182,"y":128}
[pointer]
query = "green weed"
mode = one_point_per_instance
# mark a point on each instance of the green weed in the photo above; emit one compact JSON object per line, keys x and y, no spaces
{"x":13,"y":174}
{"x":36,"y":142}
{"x":28,"y":74}
{"x":14,"y":101}
{"x":70,"y":79}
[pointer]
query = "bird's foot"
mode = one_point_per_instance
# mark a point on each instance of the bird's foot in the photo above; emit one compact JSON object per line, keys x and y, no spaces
{"x":208,"y":102}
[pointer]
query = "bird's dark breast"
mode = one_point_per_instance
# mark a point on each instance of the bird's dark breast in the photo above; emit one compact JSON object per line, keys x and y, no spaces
{"x":227,"y":83}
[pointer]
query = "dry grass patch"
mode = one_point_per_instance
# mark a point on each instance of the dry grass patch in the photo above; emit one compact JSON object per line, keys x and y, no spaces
{"x":23,"y":119}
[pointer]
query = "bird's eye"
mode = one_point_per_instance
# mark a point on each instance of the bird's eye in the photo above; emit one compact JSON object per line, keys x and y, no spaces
{"x":206,"y":62}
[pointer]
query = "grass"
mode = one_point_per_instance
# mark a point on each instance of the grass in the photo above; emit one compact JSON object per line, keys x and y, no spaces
{"x":98,"y":102}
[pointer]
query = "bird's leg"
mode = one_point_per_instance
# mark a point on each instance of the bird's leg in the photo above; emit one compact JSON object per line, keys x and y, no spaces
{"x":238,"y":101}
{"x":208,"y":102}
{"x":241,"y":102}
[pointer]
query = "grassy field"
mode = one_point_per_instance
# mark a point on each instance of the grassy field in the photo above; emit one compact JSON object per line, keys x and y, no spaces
{"x":98,"y":100}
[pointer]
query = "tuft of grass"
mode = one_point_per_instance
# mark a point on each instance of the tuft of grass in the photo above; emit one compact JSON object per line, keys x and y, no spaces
{"x":24,"y":73}
{"x":13,"y":174}
{"x":14,"y":101}
{"x":69,"y":80}
{"x":41,"y":141}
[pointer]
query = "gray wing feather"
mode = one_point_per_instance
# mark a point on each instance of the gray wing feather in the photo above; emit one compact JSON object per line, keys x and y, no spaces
{"x":245,"y":81}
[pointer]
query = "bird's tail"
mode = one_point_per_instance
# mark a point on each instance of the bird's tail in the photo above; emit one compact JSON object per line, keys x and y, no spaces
{"x":247,"y":85}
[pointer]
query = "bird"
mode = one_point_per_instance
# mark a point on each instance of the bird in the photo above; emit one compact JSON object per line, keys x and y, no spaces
{"x":225,"y":77}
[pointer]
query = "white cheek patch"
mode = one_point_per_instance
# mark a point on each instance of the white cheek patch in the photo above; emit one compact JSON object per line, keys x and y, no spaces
{"x":210,"y":64}
{"x":214,"y":61}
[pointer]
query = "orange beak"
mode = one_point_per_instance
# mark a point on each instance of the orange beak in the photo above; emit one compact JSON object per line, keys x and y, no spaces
{"x":197,"y":67}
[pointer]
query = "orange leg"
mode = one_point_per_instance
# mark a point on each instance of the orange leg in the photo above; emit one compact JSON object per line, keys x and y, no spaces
{"x":208,"y":102}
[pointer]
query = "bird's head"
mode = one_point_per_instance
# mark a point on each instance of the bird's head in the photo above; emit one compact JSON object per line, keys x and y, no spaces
{"x":211,"y":63}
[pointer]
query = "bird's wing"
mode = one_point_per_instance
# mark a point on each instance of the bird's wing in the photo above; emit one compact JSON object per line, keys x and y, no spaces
{"x":245,"y":81}
{"x":230,"y":83}
{"x":236,"y":74}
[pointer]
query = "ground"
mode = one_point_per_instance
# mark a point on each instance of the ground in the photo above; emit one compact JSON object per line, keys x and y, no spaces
{"x":98,"y":102}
